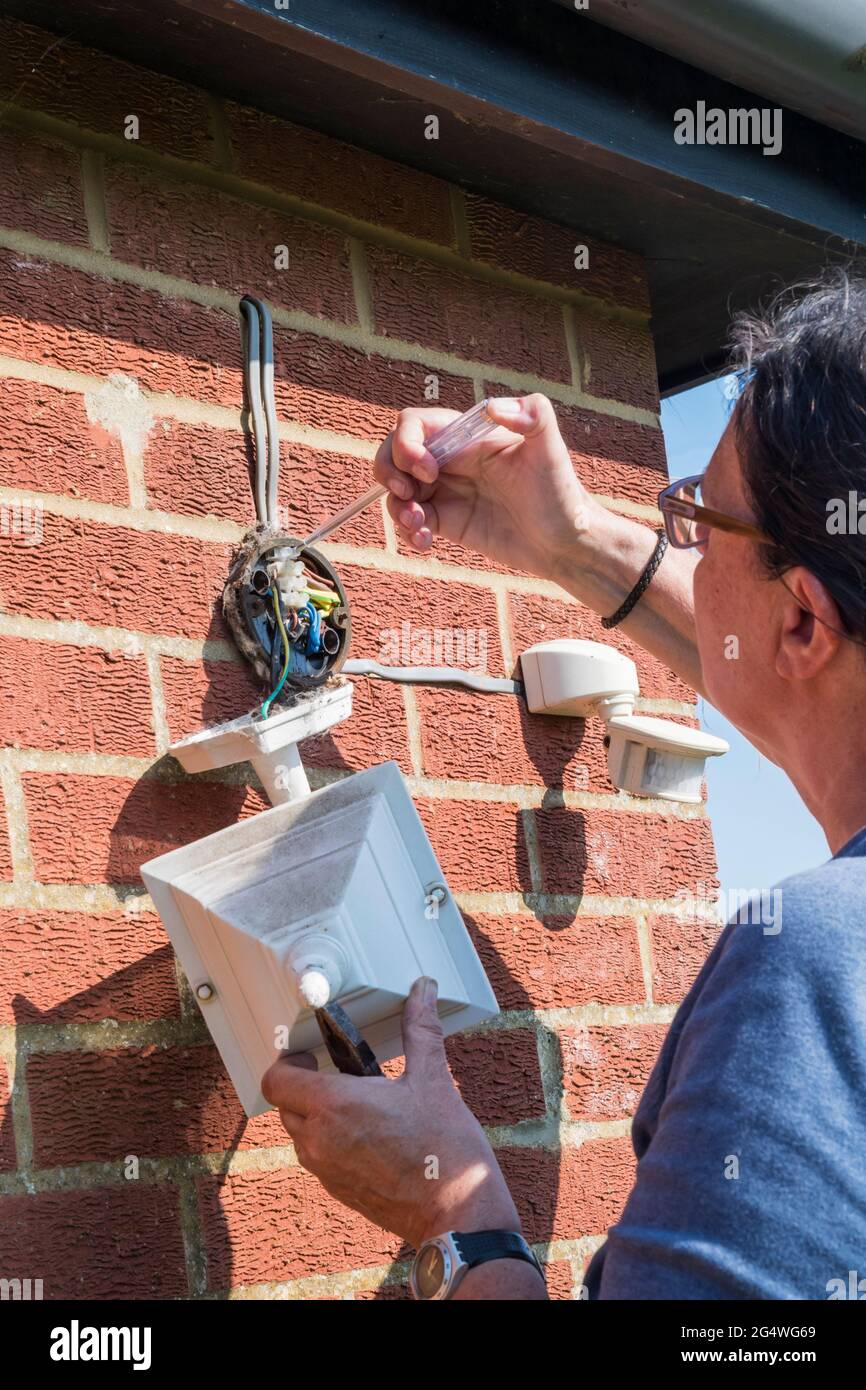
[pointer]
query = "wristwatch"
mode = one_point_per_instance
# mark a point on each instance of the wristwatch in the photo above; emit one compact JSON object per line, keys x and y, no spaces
{"x":442,"y":1261}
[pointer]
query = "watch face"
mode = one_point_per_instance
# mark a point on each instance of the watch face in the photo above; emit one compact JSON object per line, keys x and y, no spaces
{"x":430,"y":1271}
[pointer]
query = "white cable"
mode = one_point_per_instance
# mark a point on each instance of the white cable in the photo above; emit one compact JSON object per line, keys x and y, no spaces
{"x":434,"y":675}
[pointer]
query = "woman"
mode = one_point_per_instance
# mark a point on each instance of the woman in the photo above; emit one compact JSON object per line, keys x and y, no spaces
{"x":751,"y":1131}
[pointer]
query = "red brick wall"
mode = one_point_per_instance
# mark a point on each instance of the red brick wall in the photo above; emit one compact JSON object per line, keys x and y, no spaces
{"x":120,"y":388}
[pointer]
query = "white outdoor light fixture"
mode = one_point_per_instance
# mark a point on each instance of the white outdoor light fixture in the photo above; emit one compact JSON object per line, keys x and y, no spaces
{"x":645,"y":755}
{"x":332,"y":895}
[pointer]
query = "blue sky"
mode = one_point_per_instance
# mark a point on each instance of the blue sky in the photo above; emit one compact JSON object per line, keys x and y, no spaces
{"x":761,"y":828}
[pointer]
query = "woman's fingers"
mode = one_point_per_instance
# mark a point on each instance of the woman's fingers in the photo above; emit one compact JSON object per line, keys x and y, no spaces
{"x":416,"y":522}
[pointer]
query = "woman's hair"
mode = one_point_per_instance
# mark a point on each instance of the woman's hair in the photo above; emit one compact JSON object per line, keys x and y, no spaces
{"x":800,"y":427}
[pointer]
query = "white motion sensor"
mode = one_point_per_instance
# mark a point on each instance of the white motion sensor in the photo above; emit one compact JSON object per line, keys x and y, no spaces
{"x":645,"y":756}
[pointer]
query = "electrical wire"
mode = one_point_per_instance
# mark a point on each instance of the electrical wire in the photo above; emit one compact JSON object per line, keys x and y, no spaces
{"x":253,"y":385}
{"x":258,"y":351}
{"x":434,"y":675}
{"x":278,"y":614}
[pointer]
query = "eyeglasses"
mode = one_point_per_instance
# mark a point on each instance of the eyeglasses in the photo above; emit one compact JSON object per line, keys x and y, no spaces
{"x":685,"y":517}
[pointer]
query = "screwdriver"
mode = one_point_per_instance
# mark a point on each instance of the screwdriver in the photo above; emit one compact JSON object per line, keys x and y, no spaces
{"x":474,"y":424}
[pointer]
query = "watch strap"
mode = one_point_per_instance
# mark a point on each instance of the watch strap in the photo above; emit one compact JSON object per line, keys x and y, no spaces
{"x":476,"y":1247}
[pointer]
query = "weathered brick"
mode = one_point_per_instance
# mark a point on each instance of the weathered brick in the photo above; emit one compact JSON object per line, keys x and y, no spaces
{"x":463,"y":616}
{"x":618,"y":360}
{"x":94,"y":90}
{"x":41,"y":189}
{"x":559,"y":1278}
{"x":49,"y":445}
{"x":485,"y":738}
{"x":535,"y":619}
{"x":203,"y":471}
{"x":612,"y":457}
{"x":86,"y":323}
{"x":544,"y":250}
{"x":571,"y":1193}
{"x":8,"y":1155}
{"x":135,"y":579}
{"x":97,"y":1243}
{"x":201,"y":234}
{"x":81,"y":699}
{"x":498,"y":1075}
{"x":480,"y":844}
{"x":622,"y":853}
{"x":680,"y":945}
{"x":329,"y":385}
{"x":120,"y":823}
{"x":604,"y":1070}
{"x":262,"y":1226}
{"x":558,"y":962}
{"x":78,"y":967}
{"x":418,"y":301}
{"x":152,"y":1102}
{"x":339,"y":176}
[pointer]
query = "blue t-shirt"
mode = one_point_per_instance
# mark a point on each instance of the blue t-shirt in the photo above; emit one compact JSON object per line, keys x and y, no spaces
{"x":751,"y":1132}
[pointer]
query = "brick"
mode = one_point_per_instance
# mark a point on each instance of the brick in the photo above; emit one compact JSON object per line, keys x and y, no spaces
{"x":200,"y":234}
{"x":417,"y":301}
{"x":527,"y":245}
{"x":558,"y":962}
{"x":376,"y":731}
{"x":152,"y":1102}
{"x":86,"y":323}
{"x":498,"y":1075}
{"x":49,"y":445}
{"x":203,"y":471}
{"x":91,"y":89}
{"x":329,"y":385}
{"x":120,"y":823}
{"x":618,"y":360}
{"x":571,"y":1193}
{"x":335,"y":175}
{"x":80,"y":967}
{"x":8,"y":1155}
{"x":81,"y":699}
{"x":96,"y":1243}
{"x":135,"y":579}
{"x":198,"y":693}
{"x":536,"y":619}
{"x":479,"y":844}
{"x":281,"y":1225}
{"x":612,"y":457}
{"x":464,"y":616}
{"x":487,"y":738}
{"x":5,"y":847}
{"x":680,"y":945}
{"x":621,"y":853}
{"x":559,"y":1278}
{"x":41,"y":189}
{"x":604,"y":1070}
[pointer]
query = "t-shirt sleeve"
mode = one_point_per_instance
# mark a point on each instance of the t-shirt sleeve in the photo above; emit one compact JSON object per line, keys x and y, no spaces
{"x":752,"y":1183}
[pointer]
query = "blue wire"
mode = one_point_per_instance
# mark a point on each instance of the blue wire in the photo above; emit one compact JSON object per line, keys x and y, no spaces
{"x":314,"y":640}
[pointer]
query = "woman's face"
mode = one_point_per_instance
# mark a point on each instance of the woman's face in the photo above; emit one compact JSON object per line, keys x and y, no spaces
{"x":735,"y":609}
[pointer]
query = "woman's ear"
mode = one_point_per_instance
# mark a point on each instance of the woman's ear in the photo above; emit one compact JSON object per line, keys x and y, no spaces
{"x":811,"y":626}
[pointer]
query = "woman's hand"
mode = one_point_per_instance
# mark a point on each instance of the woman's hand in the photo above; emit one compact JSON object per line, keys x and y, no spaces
{"x":407,"y":1154}
{"x":513,"y":496}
